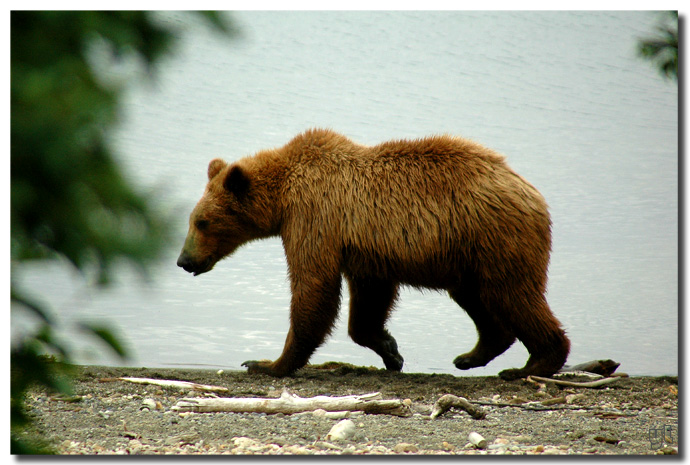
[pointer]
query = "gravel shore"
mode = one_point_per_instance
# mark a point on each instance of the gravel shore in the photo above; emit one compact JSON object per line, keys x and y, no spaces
{"x":637,"y":415}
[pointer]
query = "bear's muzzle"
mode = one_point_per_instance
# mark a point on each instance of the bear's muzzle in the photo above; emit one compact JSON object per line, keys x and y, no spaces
{"x":190,"y":265}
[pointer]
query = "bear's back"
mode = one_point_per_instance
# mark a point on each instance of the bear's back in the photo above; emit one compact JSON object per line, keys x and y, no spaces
{"x":409,"y":201}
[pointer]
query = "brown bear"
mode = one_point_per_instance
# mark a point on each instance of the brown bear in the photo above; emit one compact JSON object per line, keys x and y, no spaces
{"x":440,"y":212}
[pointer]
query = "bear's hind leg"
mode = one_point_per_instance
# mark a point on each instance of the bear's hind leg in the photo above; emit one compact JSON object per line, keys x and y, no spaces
{"x":494,"y":338}
{"x":545,"y":341}
{"x":371,"y":301}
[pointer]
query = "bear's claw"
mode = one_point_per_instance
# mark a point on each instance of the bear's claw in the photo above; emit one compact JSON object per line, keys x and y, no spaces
{"x":262,"y":367}
{"x":253,"y":366}
{"x":466,"y":361}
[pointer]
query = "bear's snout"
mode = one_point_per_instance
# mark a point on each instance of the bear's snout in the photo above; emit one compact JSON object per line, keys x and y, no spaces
{"x":185,"y":262}
{"x":190,"y":265}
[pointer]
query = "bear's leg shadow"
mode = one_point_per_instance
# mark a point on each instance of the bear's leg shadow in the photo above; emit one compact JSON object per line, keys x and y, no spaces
{"x":371,"y":301}
{"x":494,"y":337}
{"x":313,"y":310}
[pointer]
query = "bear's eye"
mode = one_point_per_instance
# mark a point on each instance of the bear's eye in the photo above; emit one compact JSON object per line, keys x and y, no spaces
{"x":201,"y":225}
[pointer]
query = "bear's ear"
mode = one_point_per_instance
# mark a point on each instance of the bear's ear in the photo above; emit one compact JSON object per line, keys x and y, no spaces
{"x":214,"y":167}
{"x":237,"y":182}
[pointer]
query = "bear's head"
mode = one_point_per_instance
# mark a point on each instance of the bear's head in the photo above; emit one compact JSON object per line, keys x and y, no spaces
{"x":224,"y":219}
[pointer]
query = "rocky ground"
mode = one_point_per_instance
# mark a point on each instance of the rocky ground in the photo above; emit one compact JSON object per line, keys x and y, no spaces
{"x":637,"y":415}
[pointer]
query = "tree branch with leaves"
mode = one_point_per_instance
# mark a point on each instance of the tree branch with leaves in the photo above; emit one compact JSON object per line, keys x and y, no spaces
{"x":662,"y":49}
{"x":69,"y":197}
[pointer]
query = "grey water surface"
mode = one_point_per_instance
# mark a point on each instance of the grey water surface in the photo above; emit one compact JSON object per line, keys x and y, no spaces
{"x":561,"y":94}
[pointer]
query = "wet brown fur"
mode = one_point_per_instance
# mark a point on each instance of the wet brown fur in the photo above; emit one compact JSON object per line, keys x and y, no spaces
{"x":440,"y":212}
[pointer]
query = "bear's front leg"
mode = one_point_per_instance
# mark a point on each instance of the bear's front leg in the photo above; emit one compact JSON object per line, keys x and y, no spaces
{"x":313,"y":310}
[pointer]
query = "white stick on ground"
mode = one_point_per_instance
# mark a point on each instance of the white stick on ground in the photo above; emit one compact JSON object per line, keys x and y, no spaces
{"x":171,"y":383}
{"x":590,"y":384}
{"x":289,"y":403}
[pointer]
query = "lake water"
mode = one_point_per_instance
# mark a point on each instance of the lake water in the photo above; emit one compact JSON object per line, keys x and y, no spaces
{"x":563,"y":95}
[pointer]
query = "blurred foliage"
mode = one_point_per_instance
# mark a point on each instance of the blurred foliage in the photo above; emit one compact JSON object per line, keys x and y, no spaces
{"x":69,"y":198}
{"x":662,"y":49}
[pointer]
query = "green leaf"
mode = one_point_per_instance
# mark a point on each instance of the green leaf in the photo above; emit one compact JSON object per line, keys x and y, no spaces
{"x":30,"y":304}
{"x":221,"y":22}
{"x":106,"y":335}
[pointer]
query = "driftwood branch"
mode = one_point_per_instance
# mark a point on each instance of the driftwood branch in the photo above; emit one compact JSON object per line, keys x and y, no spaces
{"x":577,"y":374}
{"x":449,"y":401}
{"x":170,"y":383}
{"x":589,"y":384}
{"x":536,"y":406}
{"x":600,"y":367}
{"x":289,"y":403}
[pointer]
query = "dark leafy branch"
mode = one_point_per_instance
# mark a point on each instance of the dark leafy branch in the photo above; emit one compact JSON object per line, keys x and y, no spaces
{"x":69,"y":196}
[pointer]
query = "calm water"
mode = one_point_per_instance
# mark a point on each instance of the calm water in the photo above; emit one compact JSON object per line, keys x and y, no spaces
{"x":562,"y":95}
